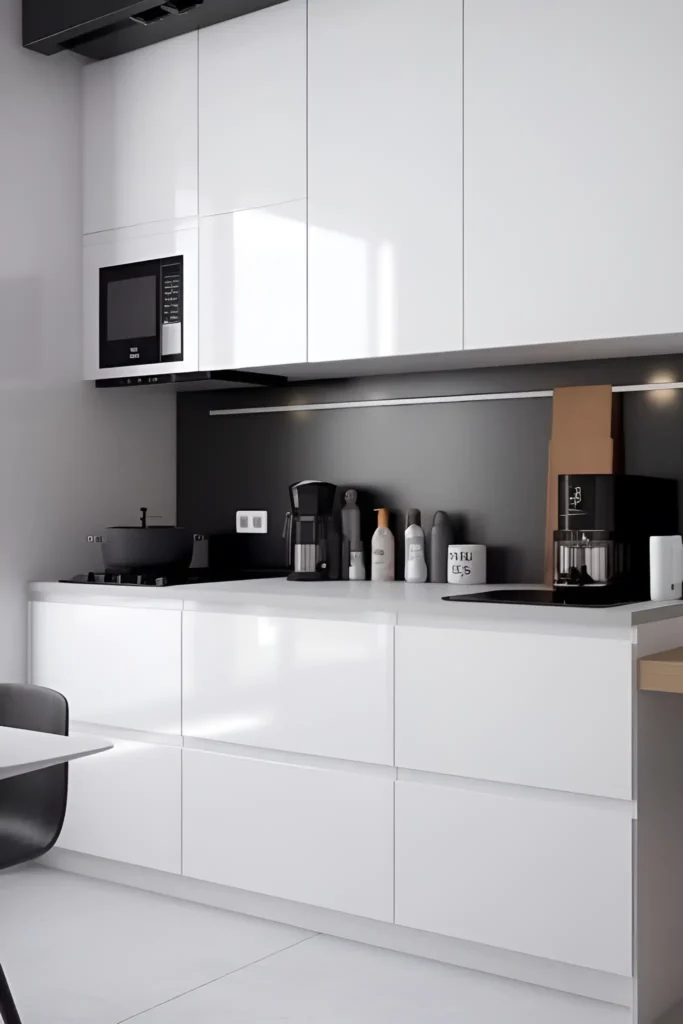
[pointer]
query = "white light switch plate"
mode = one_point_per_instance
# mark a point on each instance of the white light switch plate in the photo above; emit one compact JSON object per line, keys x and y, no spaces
{"x":251,"y":522}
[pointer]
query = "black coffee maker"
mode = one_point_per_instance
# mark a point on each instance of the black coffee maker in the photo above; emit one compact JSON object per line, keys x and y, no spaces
{"x":311,"y":532}
{"x":601,"y":549}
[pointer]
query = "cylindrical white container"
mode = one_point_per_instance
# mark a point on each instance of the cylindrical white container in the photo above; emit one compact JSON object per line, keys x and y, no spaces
{"x":466,"y":564}
{"x":666,"y":568}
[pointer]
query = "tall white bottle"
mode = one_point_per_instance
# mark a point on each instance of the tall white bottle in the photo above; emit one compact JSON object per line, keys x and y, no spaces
{"x":415,"y":563}
{"x":382,"y":558}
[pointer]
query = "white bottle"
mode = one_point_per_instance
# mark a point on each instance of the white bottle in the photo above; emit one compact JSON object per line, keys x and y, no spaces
{"x":382,"y":558}
{"x":416,"y":563}
{"x":666,"y":568}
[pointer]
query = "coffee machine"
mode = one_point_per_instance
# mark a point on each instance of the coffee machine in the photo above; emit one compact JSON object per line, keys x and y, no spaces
{"x":311,"y":532}
{"x":601,"y":546}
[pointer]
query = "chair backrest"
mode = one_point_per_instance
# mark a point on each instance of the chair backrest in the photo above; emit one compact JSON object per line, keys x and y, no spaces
{"x":32,"y":806}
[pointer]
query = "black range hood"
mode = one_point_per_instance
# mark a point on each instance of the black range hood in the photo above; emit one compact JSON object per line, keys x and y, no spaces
{"x":197,"y":380}
{"x":106,"y":28}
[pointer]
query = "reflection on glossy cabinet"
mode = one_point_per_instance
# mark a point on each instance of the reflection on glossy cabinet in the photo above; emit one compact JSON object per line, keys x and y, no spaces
{"x":253,"y":288}
{"x":573,"y":163}
{"x":312,"y":835}
{"x":385,"y":177}
{"x":548,"y":878}
{"x":125,"y":805}
{"x":309,"y":686}
{"x":252,"y":110}
{"x":516,"y":708}
{"x":140,"y":136}
{"x":116,"y":666}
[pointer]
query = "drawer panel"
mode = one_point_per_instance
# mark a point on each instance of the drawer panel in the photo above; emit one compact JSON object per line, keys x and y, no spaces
{"x":533,"y":875}
{"x":116,"y":666}
{"x":124,"y":805}
{"x":317,"y":836}
{"x":535,"y":710}
{"x":301,"y":685}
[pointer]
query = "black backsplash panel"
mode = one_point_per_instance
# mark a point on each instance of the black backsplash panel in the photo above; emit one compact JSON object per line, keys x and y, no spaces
{"x":484,"y":462}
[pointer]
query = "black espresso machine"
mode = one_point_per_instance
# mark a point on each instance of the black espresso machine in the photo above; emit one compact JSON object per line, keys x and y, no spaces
{"x":601,"y":548}
{"x":312,"y":533}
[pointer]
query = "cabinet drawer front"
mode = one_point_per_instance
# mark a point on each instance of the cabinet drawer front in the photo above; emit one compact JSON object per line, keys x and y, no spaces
{"x":116,"y":666}
{"x":302,"y":685}
{"x":535,"y":876}
{"x":125,"y":805}
{"x":547,"y":711}
{"x":316,"y":836}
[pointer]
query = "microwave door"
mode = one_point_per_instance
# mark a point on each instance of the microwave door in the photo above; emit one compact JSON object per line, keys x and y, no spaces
{"x":141,"y":313}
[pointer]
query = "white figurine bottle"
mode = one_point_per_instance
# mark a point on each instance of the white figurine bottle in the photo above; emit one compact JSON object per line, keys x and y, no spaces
{"x":416,"y":563}
{"x":382,"y":557}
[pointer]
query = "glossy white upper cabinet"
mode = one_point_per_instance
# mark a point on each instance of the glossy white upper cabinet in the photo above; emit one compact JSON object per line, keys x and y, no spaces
{"x":309,"y":686}
{"x":140,"y":136}
{"x":385,"y":177}
{"x":252,"y":110}
{"x":116,"y":666}
{"x":252,"y":303}
{"x":132,"y":245}
{"x":573,"y":168}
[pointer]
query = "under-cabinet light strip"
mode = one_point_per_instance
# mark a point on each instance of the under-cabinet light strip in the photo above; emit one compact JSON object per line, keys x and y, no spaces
{"x":377,"y":403}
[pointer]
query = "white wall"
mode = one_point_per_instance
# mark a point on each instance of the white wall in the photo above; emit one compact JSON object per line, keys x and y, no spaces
{"x":72,"y":459}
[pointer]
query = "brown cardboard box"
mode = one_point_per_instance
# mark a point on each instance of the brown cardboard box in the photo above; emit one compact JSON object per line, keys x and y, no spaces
{"x":585,"y":433}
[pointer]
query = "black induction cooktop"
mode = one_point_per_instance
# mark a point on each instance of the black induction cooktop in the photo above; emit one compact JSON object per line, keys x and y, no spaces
{"x":536,"y":597}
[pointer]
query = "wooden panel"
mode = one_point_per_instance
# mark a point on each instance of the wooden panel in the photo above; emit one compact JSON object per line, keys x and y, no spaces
{"x":662,"y":671}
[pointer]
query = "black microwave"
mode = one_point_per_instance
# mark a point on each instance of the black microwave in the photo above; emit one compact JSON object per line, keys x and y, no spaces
{"x":141,"y":313}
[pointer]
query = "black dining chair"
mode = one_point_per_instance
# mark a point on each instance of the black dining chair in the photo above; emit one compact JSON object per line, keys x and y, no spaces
{"x":32,"y":806}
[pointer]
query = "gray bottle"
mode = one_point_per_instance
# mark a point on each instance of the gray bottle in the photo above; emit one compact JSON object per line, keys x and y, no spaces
{"x":441,"y":537}
{"x":352,"y":545}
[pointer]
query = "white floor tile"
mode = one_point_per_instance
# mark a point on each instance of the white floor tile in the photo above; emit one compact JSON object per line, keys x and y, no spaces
{"x":330,"y":981}
{"x":80,"y":951}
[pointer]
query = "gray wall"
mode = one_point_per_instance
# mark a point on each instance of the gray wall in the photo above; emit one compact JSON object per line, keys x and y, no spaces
{"x":72,"y":460}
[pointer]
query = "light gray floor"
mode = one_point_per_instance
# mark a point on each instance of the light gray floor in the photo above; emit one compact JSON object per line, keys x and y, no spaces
{"x":79,"y":951}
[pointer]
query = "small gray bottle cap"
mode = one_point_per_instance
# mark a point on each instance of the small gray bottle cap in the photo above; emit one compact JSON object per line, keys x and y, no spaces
{"x":441,"y":519}
{"x":351,"y":496}
{"x":413,"y":518}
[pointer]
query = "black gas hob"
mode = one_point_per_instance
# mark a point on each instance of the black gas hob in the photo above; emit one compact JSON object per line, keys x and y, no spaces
{"x":151,"y":579}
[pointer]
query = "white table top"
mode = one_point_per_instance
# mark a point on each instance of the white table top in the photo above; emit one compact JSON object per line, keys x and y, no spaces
{"x":24,"y":751}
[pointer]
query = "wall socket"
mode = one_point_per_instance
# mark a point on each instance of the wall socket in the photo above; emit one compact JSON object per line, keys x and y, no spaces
{"x":251,"y":522}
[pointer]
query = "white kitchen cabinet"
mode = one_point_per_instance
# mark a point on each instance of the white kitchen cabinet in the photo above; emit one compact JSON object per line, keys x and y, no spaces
{"x":133,"y":245}
{"x":544,"y":877}
{"x":312,"y":835}
{"x":252,"y":110}
{"x":385,"y":177}
{"x":116,"y":666}
{"x":252,"y":305}
{"x":573,"y":163}
{"x":531,"y":709}
{"x":309,"y":686}
{"x":140,"y":136}
{"x":125,"y":805}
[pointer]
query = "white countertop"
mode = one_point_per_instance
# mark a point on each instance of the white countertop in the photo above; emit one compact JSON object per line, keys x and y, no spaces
{"x":402,"y":603}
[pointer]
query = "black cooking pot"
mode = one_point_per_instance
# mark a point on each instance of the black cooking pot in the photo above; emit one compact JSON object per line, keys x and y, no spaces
{"x":137,"y":549}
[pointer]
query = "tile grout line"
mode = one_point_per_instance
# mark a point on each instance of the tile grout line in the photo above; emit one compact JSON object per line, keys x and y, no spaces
{"x":221,"y":977}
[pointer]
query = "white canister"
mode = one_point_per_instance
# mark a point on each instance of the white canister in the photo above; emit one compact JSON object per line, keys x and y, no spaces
{"x":666,"y":568}
{"x":466,"y":563}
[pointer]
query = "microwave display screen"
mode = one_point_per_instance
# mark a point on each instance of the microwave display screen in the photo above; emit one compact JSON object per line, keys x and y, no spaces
{"x":132,"y":307}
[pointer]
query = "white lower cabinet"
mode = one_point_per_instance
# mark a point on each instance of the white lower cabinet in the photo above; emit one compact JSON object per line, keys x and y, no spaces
{"x":117,"y":666}
{"x":124,"y":805}
{"x":547,"y":877}
{"x":310,"y":686}
{"x":313,"y":835}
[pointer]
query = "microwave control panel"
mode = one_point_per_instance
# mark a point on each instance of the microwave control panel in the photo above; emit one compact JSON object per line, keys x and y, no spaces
{"x":172,"y":311}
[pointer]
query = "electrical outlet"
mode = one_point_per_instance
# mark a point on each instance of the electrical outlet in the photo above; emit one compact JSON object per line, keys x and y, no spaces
{"x":251,"y":522}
